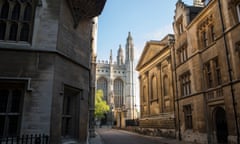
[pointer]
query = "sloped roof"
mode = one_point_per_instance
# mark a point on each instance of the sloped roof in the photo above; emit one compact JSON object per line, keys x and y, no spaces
{"x":151,"y":50}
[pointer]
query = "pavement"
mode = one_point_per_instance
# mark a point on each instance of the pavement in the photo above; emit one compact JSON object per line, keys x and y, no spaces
{"x":97,"y":139}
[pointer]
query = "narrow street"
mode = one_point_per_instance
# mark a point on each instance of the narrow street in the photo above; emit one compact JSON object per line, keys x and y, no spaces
{"x":114,"y":136}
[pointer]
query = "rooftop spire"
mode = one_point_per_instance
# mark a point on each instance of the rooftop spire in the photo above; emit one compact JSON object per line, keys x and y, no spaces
{"x":110,"y":58}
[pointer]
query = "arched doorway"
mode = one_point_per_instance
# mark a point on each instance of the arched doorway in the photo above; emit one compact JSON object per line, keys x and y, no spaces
{"x":221,"y":126}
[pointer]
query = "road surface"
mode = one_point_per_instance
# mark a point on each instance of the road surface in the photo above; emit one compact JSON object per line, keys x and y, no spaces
{"x":113,"y":136}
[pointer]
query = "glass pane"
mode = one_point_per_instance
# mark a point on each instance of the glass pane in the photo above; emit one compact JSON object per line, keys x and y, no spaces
{"x":5,"y":9}
{"x":3,"y":100}
{"x":24,"y":33}
{"x":13,"y":32}
{"x":27,"y":13}
{"x":16,"y":12}
{"x":2,"y":124}
{"x":2,"y":30}
{"x":16,"y":99}
{"x":13,"y":125}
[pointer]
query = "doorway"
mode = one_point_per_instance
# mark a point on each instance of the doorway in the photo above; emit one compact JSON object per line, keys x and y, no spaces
{"x":221,"y":126}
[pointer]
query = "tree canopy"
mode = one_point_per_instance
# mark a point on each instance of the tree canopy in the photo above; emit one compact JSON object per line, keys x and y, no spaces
{"x":101,"y":106}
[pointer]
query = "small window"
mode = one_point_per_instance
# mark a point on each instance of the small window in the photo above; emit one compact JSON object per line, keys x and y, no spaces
{"x":212,"y":30}
{"x":182,"y":54}
{"x":180,"y":27}
{"x":185,"y":84}
{"x":238,"y":11}
{"x":218,"y":72}
{"x":187,"y":109}
{"x":205,"y":40}
{"x":209,"y":75}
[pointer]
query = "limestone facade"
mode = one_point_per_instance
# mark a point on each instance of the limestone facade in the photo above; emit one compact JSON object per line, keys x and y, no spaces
{"x":205,"y":74}
{"x":206,"y":71}
{"x":156,"y":89}
{"x":45,"y":51}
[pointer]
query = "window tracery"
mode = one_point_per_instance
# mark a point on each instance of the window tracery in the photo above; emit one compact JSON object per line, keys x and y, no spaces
{"x":16,"y":20}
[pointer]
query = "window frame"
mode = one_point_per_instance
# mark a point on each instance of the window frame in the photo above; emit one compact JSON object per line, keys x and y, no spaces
{"x":70,"y":112}
{"x":185,"y":83}
{"x":182,"y":53}
{"x":188,"y":117}
{"x":16,"y":15}
{"x":8,"y":112}
{"x":118,"y":88}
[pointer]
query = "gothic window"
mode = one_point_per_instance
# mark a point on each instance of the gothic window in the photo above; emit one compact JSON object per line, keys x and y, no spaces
{"x":11,"y":97}
{"x":13,"y":32}
{"x":182,"y":54}
{"x":118,"y":92}
{"x":27,"y":13}
{"x":2,"y":30}
{"x":204,"y":39}
{"x":206,"y":32}
{"x":24,"y":33}
{"x":103,"y":85}
{"x":4,"y":11}
{"x":185,"y":84}
{"x":212,"y":73}
{"x":209,"y":75}
{"x":217,"y":72}
{"x":165,"y":86}
{"x":16,"y":11}
{"x":17,"y":17}
{"x":154,"y":88}
{"x":187,"y":109}
{"x":212,"y":33}
{"x":70,"y":117}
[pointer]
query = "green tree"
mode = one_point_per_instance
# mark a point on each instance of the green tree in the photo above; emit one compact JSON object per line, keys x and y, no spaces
{"x":101,"y":106}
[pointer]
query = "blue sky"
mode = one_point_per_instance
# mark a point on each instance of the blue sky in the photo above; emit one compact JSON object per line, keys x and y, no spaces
{"x":145,"y":19}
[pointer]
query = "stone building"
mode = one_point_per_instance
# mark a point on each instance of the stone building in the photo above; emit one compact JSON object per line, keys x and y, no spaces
{"x":206,"y":72}
{"x":156,"y":89}
{"x":45,"y":52}
{"x":116,"y":80}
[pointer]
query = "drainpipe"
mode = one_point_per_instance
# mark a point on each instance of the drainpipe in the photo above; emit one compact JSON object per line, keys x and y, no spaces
{"x":229,"y":69}
{"x":172,"y":42}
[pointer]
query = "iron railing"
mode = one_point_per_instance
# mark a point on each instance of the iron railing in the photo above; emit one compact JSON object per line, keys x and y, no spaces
{"x":26,"y":139}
